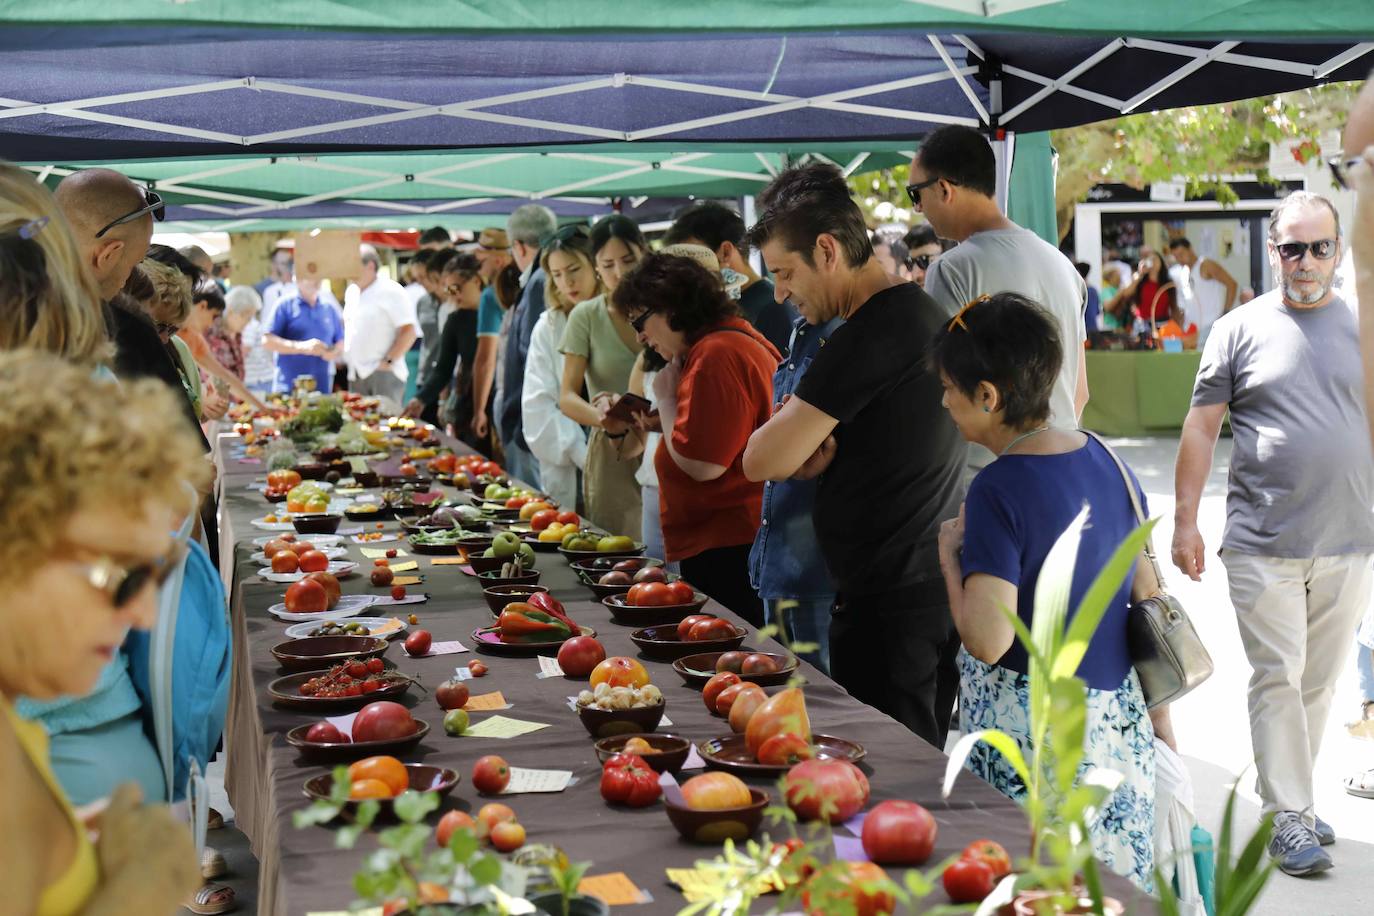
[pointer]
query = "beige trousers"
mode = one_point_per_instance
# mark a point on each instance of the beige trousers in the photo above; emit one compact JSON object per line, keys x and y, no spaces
{"x":608,"y":483}
{"x":1295,"y":618}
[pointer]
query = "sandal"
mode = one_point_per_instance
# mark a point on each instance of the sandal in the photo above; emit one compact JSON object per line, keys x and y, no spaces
{"x":212,"y":864}
{"x":1361,"y":784}
{"x":1363,"y":727}
{"x":215,"y":820}
{"x":212,"y":899}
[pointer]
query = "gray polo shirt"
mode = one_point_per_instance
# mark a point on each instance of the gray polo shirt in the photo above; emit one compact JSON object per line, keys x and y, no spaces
{"x":1301,"y":479}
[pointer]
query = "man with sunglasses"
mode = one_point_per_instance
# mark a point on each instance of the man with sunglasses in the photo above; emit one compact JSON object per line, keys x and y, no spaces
{"x":112,"y":219}
{"x":954,"y":183}
{"x":1299,"y":536}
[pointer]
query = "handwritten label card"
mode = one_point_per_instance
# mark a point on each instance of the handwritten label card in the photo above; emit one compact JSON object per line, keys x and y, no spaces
{"x":523,"y":779}
{"x":549,"y":667}
{"x":502,"y":727}
{"x":485,"y":702}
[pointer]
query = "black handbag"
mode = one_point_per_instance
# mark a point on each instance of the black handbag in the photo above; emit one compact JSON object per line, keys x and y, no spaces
{"x":1167,"y":653}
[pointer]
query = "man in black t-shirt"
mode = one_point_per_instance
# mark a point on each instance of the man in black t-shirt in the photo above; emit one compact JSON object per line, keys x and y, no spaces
{"x":867,"y":419}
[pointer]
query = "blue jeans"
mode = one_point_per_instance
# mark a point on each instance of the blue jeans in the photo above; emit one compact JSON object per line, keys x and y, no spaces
{"x":651,"y":526}
{"x":521,"y":465}
{"x":807,"y":621}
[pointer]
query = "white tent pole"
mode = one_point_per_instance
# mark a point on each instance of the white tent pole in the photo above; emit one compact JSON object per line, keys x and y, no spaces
{"x":1177,"y":76}
{"x":959,"y":77}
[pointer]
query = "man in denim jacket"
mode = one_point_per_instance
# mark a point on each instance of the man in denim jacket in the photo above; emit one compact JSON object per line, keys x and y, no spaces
{"x":786,"y":565}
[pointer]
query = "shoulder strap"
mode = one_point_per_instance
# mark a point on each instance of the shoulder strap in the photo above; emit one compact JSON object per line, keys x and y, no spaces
{"x":1135,"y":503}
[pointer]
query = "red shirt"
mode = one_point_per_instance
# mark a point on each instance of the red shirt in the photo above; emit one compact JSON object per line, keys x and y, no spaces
{"x":724,"y":394}
{"x":1148,"y":290}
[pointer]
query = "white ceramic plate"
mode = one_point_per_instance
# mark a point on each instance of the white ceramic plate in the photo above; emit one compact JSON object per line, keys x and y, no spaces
{"x":330,"y":553}
{"x":348,"y":606}
{"x":338,"y":569}
{"x":301,"y":630}
{"x":261,"y":522}
{"x":322,"y":484}
{"x":319,"y":540}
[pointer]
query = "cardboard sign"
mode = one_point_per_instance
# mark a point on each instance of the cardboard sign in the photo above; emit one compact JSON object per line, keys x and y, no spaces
{"x":328,"y":253}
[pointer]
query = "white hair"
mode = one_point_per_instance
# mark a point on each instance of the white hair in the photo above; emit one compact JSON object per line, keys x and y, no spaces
{"x":242,"y":299}
{"x":531,"y":224}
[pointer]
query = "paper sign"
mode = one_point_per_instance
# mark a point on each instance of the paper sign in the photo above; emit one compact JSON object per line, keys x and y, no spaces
{"x":343,"y":723}
{"x":407,"y":566}
{"x":666,"y":722}
{"x":484,"y":702}
{"x":408,"y":599}
{"x":324,"y":254}
{"x":451,"y":647}
{"x":377,"y":553}
{"x":693,"y":761}
{"x":849,"y":849}
{"x":524,"y":780}
{"x":407,"y":580}
{"x":855,"y":824}
{"x":446,"y":561}
{"x":502,"y":727}
{"x":614,"y":889}
{"x":549,"y":667}
{"x":461,"y":673}
{"x":468,"y":570}
{"x":671,"y":790}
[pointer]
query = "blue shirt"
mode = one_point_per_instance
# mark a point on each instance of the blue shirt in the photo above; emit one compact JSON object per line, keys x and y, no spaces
{"x":524,"y":315}
{"x":295,"y":319}
{"x":786,"y":559}
{"x":1018,"y":506}
{"x":1092,"y":311}
{"x":489,"y":314}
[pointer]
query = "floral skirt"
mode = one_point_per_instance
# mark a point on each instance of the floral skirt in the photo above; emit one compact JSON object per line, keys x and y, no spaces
{"x":1118,"y":737}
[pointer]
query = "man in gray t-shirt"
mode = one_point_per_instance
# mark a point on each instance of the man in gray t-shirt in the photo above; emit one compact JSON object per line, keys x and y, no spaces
{"x":953,"y":180}
{"x":1299,"y":510}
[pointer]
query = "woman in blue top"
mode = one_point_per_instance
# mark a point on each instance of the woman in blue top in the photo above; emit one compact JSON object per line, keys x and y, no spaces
{"x":998,"y":360}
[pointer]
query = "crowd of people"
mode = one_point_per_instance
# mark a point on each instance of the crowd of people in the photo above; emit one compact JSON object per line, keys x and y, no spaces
{"x":796,"y":445}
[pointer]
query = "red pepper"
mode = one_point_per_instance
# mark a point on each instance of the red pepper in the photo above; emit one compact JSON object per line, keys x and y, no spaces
{"x":552,"y":606}
{"x":627,"y":780}
{"x":520,"y":622}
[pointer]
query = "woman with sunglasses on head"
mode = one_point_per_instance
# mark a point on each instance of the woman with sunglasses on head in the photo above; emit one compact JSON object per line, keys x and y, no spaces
{"x":998,"y":360}
{"x":557,"y":441}
{"x":599,"y":348}
{"x":458,"y":281}
{"x":715,"y":390}
{"x":96,"y":541}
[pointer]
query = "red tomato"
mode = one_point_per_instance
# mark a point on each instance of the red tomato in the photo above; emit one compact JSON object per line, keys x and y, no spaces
{"x":687,"y":623}
{"x":330,"y":583}
{"x":627,"y":780}
{"x":568,"y":518}
{"x":478,"y":668}
{"x":726,"y":698}
{"x":490,"y":774}
{"x":383,"y":721}
{"x":715,"y":628}
{"x":834,"y":790}
{"x":651,"y":594}
{"x":899,"y":833}
{"x":579,"y":655}
{"x":312,"y":561}
{"x":682,"y":592}
{"x":284,"y":561}
{"x":542,"y":519}
{"x":867,"y":893}
{"x":990,"y":853}
{"x":491,"y":814}
{"x":450,"y":822}
{"x":490,"y":468}
{"x":968,"y":881}
{"x":306,"y":597}
{"x":786,"y":749}
{"x":507,"y":836}
{"x":715,"y":685}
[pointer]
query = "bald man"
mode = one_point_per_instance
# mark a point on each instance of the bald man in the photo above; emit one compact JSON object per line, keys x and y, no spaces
{"x":112,"y":219}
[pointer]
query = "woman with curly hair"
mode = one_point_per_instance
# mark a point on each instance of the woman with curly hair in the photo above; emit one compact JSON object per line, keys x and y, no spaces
{"x":96,"y":542}
{"x":715,"y":390}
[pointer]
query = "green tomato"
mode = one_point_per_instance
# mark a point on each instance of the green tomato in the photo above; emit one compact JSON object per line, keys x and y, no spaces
{"x":615,"y":542}
{"x":491,"y":491}
{"x":455,"y":721}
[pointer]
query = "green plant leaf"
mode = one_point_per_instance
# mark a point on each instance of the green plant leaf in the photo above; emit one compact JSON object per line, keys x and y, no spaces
{"x":340,"y":785}
{"x":367,"y":812}
{"x":346,"y":836}
{"x":1023,"y":635}
{"x":1168,"y":900}
{"x":1052,"y":591}
{"x":319,"y":812}
{"x":485,"y":871}
{"x":1069,"y":715}
{"x":462,"y":843}
{"x":1001,"y":741}
{"x":411,"y":806}
{"x":1097,"y":599}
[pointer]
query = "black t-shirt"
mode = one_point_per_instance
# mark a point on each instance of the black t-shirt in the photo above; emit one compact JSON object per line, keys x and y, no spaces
{"x":140,"y":353}
{"x":898,"y":468}
{"x":770,"y":318}
{"x":457,"y":344}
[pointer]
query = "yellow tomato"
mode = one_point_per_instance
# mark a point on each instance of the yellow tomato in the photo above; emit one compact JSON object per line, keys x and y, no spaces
{"x":620,"y":671}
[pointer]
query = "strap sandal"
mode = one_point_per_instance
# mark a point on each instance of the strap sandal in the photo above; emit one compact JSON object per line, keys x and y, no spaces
{"x":212,"y":899}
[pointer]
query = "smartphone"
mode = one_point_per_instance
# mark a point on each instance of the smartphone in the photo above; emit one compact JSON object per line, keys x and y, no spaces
{"x":629,"y":405}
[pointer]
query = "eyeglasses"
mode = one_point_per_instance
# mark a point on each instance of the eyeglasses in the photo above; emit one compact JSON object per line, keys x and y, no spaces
{"x":1340,"y":169}
{"x":639,"y":320}
{"x":166,"y":330}
{"x":959,"y":315}
{"x":568,"y":233}
{"x":152,"y":203}
{"x":923,"y":261}
{"x":123,"y":583}
{"x":913,"y":191}
{"x":1322,"y":249}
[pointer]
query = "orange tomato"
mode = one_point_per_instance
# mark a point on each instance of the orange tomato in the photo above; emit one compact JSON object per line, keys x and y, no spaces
{"x":369,"y":788}
{"x":714,"y":791}
{"x":491,"y":814}
{"x":387,"y":770}
{"x":619,"y":671}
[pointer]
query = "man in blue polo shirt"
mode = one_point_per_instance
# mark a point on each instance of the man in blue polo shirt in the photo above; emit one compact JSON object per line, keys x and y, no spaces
{"x":786,"y":565}
{"x":307,"y":334}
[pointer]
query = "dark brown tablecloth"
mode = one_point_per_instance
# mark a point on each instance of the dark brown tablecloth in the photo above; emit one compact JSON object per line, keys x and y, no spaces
{"x":301,"y":872}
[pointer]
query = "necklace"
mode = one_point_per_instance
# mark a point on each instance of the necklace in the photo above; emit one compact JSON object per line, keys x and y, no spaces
{"x":1025,"y":435}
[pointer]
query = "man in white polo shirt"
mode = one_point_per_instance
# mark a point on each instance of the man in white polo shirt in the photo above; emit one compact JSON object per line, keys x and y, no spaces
{"x":379,"y":327}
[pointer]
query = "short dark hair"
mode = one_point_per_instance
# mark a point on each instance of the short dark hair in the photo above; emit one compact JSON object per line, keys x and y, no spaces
{"x":617,"y":226}
{"x":920,"y":235}
{"x":457,"y":262}
{"x":1083,"y":268}
{"x":438,"y":257}
{"x":435,"y":234}
{"x":961,"y":156}
{"x":692,"y":297}
{"x":1180,"y":242}
{"x":208,"y":291}
{"x":1009,"y":341}
{"x":422,"y":257}
{"x":709,"y":222}
{"x":805,"y":201}
{"x":165,"y":254}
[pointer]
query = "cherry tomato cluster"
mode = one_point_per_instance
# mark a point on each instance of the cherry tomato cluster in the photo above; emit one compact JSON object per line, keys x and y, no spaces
{"x":350,"y":679}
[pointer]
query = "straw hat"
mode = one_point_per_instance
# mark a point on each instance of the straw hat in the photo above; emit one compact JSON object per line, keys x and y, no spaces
{"x":493,"y":240}
{"x":704,"y":256}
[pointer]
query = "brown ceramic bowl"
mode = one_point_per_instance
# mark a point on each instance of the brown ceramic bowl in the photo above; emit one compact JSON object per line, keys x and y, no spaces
{"x":356,"y":514}
{"x":632,"y":616}
{"x":328,"y":753}
{"x":367,"y":479}
{"x":311,"y":653}
{"x":285,"y":691}
{"x":594,"y":567}
{"x":493,"y":578}
{"x":498,"y":596}
{"x":661,"y":643}
{"x":605,"y":591}
{"x":476,"y":543}
{"x":274,"y":497}
{"x":575,"y":555}
{"x":607,"y":723}
{"x":714,"y":827}
{"x":696,"y":670}
{"x":312,"y":470}
{"x":423,"y":778}
{"x":317,"y":522}
{"x":481,"y":564}
{"x":670,"y":750}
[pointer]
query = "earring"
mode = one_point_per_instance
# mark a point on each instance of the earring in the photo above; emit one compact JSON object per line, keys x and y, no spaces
{"x":987,"y":409}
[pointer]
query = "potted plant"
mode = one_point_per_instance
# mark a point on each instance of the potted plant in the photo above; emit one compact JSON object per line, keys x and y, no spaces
{"x":566,"y":899}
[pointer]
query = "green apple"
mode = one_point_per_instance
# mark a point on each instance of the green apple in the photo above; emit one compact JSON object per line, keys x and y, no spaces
{"x":455,"y":721}
{"x":506,"y":544}
{"x":527,"y":555}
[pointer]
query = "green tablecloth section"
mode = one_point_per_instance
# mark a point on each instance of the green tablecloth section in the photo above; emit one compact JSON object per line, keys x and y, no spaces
{"x":1138,"y":393}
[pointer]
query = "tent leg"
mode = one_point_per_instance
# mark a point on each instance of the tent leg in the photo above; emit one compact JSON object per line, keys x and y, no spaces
{"x":1004,"y":149}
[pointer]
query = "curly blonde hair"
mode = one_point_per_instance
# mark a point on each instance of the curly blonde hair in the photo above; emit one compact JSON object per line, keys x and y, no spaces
{"x":172,"y":302}
{"x":115,"y":445}
{"x":48,"y":300}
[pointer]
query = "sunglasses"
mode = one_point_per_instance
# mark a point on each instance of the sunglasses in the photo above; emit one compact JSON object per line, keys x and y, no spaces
{"x":923,"y":261}
{"x":913,"y":191}
{"x":958,"y":319}
{"x":1322,"y":249}
{"x":152,"y":203}
{"x":166,"y":330}
{"x":639,"y":320}
{"x":123,"y":584}
{"x":1340,"y":170}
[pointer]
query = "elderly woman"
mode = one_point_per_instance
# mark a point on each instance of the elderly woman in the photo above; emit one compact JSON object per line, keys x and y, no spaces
{"x":998,"y":360}
{"x":715,"y":390}
{"x":241,"y":305}
{"x":96,"y":543}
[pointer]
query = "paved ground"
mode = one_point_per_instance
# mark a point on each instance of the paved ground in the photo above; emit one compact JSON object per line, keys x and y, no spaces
{"x":1211,"y":723}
